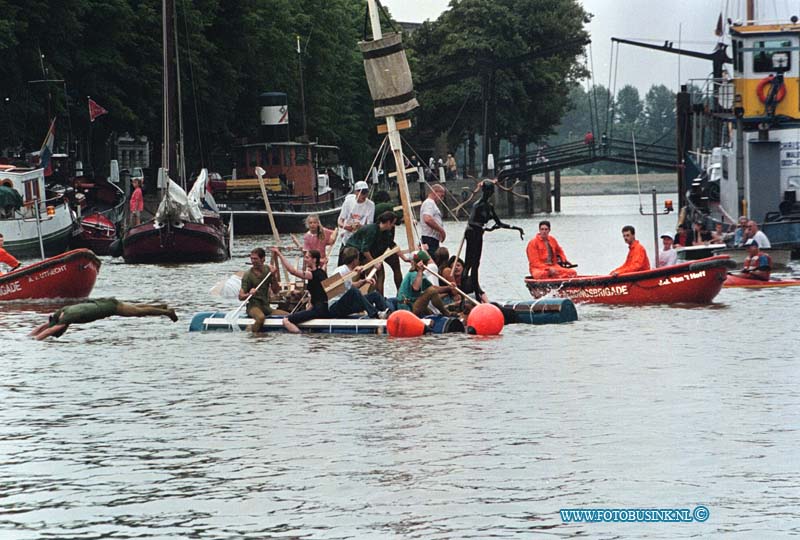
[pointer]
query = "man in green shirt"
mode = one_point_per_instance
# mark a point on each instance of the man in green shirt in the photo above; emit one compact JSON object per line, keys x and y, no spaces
{"x":258,"y":305}
{"x":373,"y":240}
{"x":416,"y":291}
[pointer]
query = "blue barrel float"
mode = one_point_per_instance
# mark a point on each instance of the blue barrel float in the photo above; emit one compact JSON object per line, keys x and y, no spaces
{"x":541,"y":311}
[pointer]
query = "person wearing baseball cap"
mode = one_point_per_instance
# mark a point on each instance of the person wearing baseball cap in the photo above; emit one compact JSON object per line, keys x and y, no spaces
{"x":757,"y":265}
{"x":667,"y":256}
{"x":416,"y":291}
{"x":356,"y":212}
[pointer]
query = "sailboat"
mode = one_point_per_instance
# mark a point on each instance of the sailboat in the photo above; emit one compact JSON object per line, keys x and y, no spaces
{"x":186,"y":227}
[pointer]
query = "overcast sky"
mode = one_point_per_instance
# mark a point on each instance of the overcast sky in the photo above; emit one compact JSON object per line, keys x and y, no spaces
{"x":690,"y":22}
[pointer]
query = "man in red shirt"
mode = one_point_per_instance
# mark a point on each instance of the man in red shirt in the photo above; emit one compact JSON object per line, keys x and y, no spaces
{"x":6,"y":257}
{"x":543,"y":256}
{"x":637,"y":260}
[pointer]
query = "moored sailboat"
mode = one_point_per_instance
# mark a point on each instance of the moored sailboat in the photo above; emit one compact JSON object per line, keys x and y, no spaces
{"x":182,"y":230}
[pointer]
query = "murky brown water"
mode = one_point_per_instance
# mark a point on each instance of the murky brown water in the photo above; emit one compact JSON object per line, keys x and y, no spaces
{"x":135,"y":428}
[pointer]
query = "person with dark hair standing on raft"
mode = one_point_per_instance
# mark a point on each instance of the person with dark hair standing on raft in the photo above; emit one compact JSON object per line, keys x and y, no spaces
{"x":482,"y":212}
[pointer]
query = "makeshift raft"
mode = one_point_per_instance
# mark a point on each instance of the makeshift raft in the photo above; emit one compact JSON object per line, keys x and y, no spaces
{"x":543,"y":311}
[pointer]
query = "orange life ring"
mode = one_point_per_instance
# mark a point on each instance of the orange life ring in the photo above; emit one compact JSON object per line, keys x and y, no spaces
{"x":765,"y":84}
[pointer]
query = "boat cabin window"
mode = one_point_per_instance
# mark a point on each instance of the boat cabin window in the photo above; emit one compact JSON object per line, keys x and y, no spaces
{"x":252,"y":161}
{"x":301,"y":156}
{"x":275,"y":156}
{"x":738,"y":56}
{"x":287,"y":157}
{"x":31,"y":190}
{"x":764,"y":51}
{"x":263,"y":157}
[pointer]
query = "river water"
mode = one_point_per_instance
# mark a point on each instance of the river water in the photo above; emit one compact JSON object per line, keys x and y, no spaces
{"x":135,"y":428}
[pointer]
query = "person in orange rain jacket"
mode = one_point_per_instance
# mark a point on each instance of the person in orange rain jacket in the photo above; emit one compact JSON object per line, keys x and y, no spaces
{"x":543,"y":256}
{"x":7,"y":258}
{"x":637,"y":260}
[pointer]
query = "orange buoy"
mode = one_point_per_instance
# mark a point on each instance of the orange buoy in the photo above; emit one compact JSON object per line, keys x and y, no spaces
{"x":485,"y":320}
{"x":764,"y":86}
{"x":403,"y":323}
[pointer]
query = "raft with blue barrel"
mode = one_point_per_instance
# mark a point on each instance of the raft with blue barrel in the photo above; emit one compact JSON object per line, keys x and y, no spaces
{"x":215,"y":320}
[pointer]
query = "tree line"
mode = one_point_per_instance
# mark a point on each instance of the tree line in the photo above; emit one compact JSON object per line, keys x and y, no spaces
{"x":509,"y":69}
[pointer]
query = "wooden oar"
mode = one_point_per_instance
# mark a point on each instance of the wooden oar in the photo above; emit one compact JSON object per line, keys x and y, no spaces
{"x":365,"y":287}
{"x":333,"y":282}
{"x":462,"y":293}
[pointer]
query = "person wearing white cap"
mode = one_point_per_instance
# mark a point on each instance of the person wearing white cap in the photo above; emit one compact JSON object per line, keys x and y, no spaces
{"x":357,"y":211}
{"x":667,"y":256}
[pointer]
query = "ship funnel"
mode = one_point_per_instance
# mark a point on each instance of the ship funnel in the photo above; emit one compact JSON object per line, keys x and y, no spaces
{"x":274,"y":117}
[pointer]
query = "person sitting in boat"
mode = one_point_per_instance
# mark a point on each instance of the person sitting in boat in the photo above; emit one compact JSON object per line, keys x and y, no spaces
{"x":684,"y":236}
{"x":667,"y":256}
{"x":317,"y":237}
{"x":739,"y":235}
{"x":482,"y":212}
{"x":353,"y":300}
{"x":545,"y":256}
{"x":757,"y":265}
{"x":92,"y":310}
{"x":372,"y":241}
{"x":453,"y":272}
{"x":7,"y":258}
{"x":701,"y":235}
{"x":314,"y":276}
{"x":751,"y":231}
{"x":718,"y":235}
{"x":416,"y":291}
{"x":357,"y":211}
{"x":637,"y":260}
{"x":258,"y":307}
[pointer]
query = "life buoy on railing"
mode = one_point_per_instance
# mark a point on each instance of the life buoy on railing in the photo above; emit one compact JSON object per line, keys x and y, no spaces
{"x":764,"y":85}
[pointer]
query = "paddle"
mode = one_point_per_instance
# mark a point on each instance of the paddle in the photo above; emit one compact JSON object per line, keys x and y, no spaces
{"x":337,"y":280}
{"x":231,"y":317}
{"x":462,"y":293}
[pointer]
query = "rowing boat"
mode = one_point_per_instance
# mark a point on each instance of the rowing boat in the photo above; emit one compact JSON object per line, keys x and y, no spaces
{"x":694,"y":282}
{"x":737,"y":281}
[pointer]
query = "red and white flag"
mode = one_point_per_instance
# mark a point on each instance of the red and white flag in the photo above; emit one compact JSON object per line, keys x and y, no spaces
{"x":95,"y":110}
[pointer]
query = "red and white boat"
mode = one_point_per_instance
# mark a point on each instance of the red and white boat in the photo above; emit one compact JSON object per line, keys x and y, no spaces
{"x":69,"y":275}
{"x":695,"y":282}
{"x":736,"y":281}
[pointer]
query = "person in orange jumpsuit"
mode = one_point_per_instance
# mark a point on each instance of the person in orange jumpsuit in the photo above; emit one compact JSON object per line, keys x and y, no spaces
{"x":637,"y":260}
{"x":6,"y":257}
{"x":543,"y":256}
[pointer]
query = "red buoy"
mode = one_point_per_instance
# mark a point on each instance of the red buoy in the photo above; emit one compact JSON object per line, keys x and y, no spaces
{"x":485,"y":320}
{"x":403,"y":323}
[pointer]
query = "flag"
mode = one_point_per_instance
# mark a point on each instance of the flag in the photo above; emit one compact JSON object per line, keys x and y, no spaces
{"x":95,"y":110}
{"x":719,"y":30}
{"x":46,"y":151}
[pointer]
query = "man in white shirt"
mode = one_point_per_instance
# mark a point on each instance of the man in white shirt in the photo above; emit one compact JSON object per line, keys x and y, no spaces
{"x":353,"y":300}
{"x":357,"y":211}
{"x":431,"y":226}
{"x":667,"y":256}
{"x":751,"y":231}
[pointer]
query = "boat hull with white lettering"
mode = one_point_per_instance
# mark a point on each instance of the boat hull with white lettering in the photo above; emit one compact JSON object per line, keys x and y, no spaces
{"x":695,"y":282}
{"x":69,"y":275}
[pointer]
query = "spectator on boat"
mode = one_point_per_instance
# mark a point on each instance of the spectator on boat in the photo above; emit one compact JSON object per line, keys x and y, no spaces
{"x":588,"y":139}
{"x":92,"y":310}
{"x":545,"y":256}
{"x":739,"y":235}
{"x":451,"y":167}
{"x":431,"y":226}
{"x":317,"y":237}
{"x":314,"y":276}
{"x":637,"y":260}
{"x":373,"y":240}
{"x":357,"y":211}
{"x":7,"y":258}
{"x":667,"y":256}
{"x":718,"y":235}
{"x":136,"y":203}
{"x":751,"y":231}
{"x":257,"y":293}
{"x":757,"y":265}
{"x":482,"y":211}
{"x":353,"y":300}
{"x":701,"y":236}
{"x":684,"y":236}
{"x":416,"y":291}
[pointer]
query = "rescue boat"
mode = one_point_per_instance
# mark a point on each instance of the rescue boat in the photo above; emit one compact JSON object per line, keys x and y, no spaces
{"x":695,"y":282}
{"x":69,"y":275}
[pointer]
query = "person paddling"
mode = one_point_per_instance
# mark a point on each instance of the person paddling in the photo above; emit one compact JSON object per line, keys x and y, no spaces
{"x":258,"y":307}
{"x":314,"y":276}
